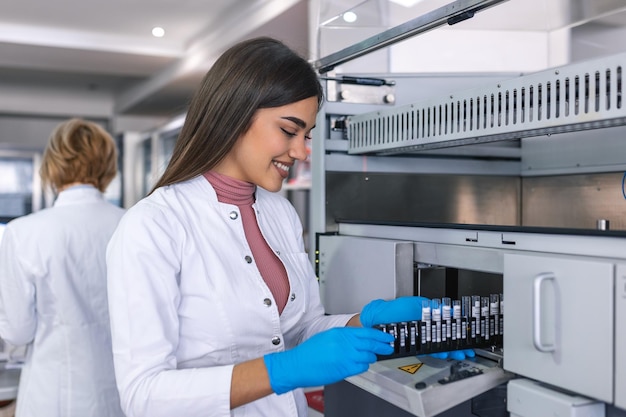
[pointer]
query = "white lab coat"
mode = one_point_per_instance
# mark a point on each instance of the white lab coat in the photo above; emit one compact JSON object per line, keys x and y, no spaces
{"x":187,"y":302}
{"x":53,"y":297}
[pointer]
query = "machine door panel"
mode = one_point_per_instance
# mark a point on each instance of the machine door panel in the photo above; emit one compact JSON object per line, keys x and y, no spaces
{"x":354,"y":270}
{"x":558,"y":322}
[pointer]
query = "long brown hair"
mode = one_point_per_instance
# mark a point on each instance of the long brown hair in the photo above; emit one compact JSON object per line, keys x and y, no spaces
{"x":254,"y":74}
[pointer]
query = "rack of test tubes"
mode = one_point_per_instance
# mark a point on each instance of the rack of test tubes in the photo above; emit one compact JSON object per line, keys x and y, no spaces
{"x":471,"y":322}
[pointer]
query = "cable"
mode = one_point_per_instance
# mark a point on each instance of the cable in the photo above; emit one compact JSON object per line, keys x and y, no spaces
{"x":624,"y":183}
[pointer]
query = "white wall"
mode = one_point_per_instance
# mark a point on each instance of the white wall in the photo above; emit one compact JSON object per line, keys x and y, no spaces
{"x":54,"y":102}
{"x":29,"y":132}
{"x":136,"y":123}
{"x":480,"y":51}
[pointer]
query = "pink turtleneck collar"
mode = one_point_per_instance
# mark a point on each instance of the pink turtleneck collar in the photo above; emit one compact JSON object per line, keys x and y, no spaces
{"x":230,"y":190}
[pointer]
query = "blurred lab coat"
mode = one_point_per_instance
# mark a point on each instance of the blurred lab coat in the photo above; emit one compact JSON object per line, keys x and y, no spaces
{"x":188,"y":302}
{"x":53,"y":298}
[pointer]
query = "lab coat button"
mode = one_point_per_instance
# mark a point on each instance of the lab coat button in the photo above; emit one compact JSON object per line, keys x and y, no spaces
{"x":276,"y":340}
{"x":267,"y":302}
{"x":293,"y":296}
{"x":233,"y":215}
{"x":248,"y":259}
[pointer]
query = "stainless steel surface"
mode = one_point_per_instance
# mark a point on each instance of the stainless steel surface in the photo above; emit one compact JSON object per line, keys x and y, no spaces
{"x":573,"y":201}
{"x":563,"y":201}
{"x":574,"y":153}
{"x":448,"y":14}
{"x":464,"y":165}
{"x":492,"y":354}
{"x":464,"y":199}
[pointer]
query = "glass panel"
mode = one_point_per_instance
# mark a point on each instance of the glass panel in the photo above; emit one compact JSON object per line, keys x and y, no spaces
{"x":114,"y":192}
{"x":508,"y":36}
{"x":16,"y":187}
{"x":167,"y":140}
{"x":147,"y":181}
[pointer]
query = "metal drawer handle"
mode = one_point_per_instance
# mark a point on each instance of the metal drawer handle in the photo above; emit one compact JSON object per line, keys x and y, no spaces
{"x":539,"y":345}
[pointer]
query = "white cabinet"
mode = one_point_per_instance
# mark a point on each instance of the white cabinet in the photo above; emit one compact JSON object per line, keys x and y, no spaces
{"x":559,"y":322}
{"x":526,"y":398}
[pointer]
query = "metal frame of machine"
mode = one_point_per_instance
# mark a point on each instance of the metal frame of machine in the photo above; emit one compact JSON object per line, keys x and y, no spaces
{"x":548,"y":273}
{"x":571,"y":98}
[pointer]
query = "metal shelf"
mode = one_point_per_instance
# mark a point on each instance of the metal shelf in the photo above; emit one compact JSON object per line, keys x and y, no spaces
{"x":574,"y":97}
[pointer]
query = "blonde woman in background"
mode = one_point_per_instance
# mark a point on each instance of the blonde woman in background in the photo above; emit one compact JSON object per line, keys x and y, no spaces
{"x":53,"y":294}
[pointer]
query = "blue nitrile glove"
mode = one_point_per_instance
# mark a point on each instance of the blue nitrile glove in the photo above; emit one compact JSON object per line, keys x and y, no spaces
{"x":404,"y":309}
{"x":326,"y":358}
{"x":393,"y":311}
{"x":458,"y":355}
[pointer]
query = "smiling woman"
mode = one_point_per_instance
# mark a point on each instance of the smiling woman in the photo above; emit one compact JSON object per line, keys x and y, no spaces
{"x":213,"y":300}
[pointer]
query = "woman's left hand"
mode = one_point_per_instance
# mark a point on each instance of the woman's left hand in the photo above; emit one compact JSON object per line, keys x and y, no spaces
{"x":393,"y":311}
{"x":458,"y":355}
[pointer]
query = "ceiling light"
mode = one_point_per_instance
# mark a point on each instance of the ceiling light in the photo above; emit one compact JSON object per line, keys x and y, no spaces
{"x":349,"y":17}
{"x":406,"y":3}
{"x":158,"y":32}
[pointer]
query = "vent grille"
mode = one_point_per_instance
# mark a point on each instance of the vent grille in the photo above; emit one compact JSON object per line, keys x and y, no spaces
{"x":575,"y":97}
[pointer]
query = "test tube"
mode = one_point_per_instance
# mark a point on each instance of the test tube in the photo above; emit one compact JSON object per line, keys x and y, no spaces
{"x":446,"y":318}
{"x":484,"y":318}
{"x":475,"y":318}
{"x":414,"y":337}
{"x":456,"y":323}
{"x":426,"y":319}
{"x":391,"y":329}
{"x":494,"y":315}
{"x":385,"y":328}
{"x":404,"y":337}
{"x":466,"y":309}
{"x":435,"y":311}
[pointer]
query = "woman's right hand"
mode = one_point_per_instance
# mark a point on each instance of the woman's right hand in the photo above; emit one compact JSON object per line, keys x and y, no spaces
{"x":326,"y":358}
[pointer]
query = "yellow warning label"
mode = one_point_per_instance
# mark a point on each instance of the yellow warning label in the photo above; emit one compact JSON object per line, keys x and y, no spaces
{"x":411,"y":368}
